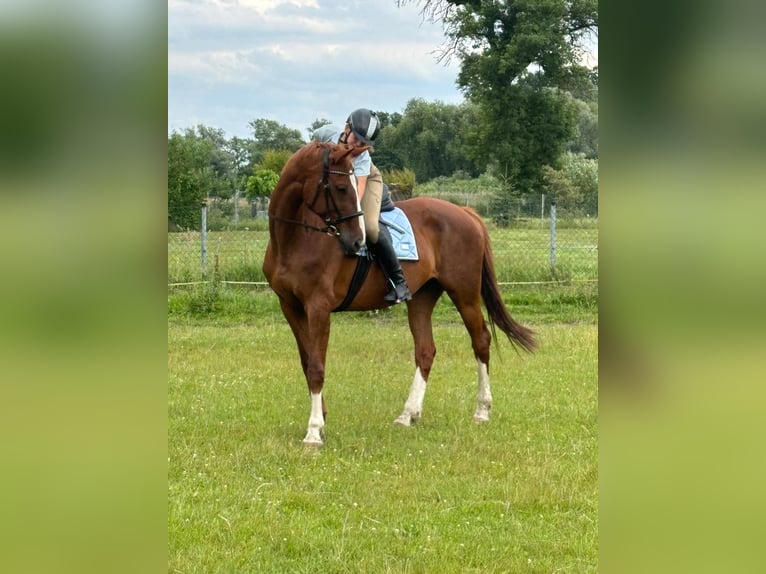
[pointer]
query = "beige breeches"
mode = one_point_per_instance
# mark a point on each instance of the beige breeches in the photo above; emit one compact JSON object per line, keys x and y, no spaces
{"x":371,"y":203}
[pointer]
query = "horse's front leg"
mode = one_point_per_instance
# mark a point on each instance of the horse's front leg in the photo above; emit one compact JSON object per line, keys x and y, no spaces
{"x":312,"y":336}
{"x":316,"y":354}
{"x":312,"y":333}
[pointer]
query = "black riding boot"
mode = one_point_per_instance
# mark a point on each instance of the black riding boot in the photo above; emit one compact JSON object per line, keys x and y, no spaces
{"x":389,"y":262}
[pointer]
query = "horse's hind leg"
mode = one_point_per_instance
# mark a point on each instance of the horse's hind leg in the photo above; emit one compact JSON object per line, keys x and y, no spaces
{"x":419,"y":311}
{"x":484,"y":396}
{"x":473,"y":319}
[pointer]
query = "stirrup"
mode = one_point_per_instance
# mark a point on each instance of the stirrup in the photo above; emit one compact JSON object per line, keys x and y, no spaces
{"x":398,"y":294}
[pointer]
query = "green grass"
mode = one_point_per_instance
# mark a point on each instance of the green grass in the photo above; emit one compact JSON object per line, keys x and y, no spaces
{"x":518,"y":494}
{"x":235,"y":304}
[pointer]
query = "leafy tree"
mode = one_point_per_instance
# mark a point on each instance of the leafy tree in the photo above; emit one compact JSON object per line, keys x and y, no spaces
{"x":274,"y":160}
{"x":585,"y":87}
{"x":239,"y":148}
{"x":429,"y":139}
{"x":271,"y":135}
{"x":190,"y":177}
{"x":586,"y":133}
{"x":220,"y":160}
{"x":533,"y":133}
{"x":387,"y":156}
{"x":559,"y":188}
{"x":519,"y":59}
{"x":505,"y":202}
{"x":575,"y":185}
{"x":389,"y":119}
{"x":583,"y":173}
{"x":261,"y":184}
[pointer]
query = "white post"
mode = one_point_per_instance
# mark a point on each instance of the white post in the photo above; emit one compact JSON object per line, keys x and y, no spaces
{"x":236,"y":208}
{"x":553,"y":236}
{"x":203,"y":237}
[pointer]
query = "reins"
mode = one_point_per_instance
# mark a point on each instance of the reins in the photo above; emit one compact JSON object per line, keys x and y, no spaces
{"x":331,"y":224}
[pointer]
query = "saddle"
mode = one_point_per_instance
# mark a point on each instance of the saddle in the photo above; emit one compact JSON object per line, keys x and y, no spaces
{"x":402,"y":236}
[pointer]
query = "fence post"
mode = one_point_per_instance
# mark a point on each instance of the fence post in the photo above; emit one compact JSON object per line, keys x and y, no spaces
{"x":203,"y":237}
{"x":236,"y":208}
{"x":553,"y":236}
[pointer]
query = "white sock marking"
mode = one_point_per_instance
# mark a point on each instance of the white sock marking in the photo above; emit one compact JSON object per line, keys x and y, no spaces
{"x":316,"y":420}
{"x":414,"y":405}
{"x":483,"y":396}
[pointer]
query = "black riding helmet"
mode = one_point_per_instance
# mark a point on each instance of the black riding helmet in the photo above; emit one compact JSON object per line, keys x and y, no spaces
{"x":365,"y":125}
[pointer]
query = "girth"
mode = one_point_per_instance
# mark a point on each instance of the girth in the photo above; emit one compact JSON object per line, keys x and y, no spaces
{"x":363,"y":265}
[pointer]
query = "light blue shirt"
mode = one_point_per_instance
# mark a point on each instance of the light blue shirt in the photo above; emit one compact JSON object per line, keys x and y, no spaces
{"x":331,"y":133}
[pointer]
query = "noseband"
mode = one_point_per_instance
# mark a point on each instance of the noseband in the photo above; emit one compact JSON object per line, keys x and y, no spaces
{"x":331,"y":223}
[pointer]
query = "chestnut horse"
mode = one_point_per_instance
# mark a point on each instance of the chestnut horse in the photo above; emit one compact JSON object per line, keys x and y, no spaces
{"x":315,"y":231}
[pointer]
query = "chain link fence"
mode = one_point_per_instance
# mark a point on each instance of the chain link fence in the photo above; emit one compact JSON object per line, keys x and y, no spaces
{"x":533,"y":242}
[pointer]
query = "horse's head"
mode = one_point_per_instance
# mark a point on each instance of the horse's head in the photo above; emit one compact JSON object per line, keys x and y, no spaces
{"x":329,"y":190}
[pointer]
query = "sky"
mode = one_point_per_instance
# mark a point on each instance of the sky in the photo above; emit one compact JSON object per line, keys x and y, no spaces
{"x":295,"y":61}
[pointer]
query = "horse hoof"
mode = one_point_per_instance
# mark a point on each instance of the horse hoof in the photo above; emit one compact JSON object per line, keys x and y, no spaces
{"x":480,"y":419}
{"x":406,"y":420}
{"x":314,"y":438}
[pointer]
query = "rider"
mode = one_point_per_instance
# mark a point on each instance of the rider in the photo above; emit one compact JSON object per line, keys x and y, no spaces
{"x":362,"y":127}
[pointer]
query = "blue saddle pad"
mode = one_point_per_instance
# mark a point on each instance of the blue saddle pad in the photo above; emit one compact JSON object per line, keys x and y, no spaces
{"x":401,"y":235}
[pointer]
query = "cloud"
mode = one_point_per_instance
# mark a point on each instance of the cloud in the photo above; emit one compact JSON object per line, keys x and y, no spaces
{"x":229,"y":67}
{"x":265,"y":6}
{"x":232,"y":61}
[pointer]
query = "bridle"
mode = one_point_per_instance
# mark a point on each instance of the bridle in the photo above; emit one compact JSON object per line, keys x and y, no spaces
{"x":331,"y":223}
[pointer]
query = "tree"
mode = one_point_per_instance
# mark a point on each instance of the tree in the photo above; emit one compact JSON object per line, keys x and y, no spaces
{"x":220,"y":160}
{"x":387,"y":156}
{"x":519,"y":59}
{"x":273,"y":160}
{"x":586,"y":132}
{"x":190,"y":177}
{"x":271,"y":135}
{"x":239,"y":148}
{"x":389,"y":119}
{"x":430,"y":139}
{"x":261,"y":184}
{"x":575,"y":185}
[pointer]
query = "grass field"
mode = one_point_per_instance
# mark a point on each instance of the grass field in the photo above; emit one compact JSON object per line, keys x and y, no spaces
{"x":518,"y":494}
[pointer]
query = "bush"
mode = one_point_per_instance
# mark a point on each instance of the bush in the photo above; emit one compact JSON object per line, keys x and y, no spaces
{"x":574,"y":186}
{"x":401,"y":183}
{"x":476,"y":193}
{"x":261,"y":184}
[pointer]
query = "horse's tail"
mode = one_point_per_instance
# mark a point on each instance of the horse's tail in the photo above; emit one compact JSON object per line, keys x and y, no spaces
{"x":493,"y":300}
